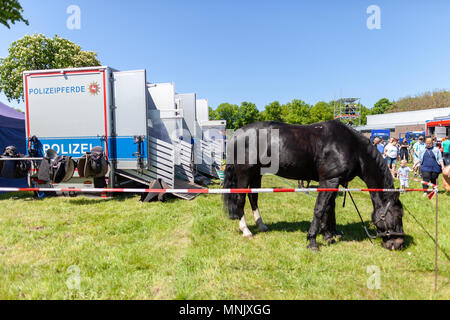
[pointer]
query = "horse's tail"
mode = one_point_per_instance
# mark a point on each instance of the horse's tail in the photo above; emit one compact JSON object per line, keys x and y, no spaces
{"x":230,"y":199}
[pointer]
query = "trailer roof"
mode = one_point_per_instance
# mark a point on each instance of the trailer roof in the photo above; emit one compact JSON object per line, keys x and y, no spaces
{"x":63,"y":70}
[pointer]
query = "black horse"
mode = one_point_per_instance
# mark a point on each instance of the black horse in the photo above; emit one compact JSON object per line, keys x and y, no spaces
{"x":328,"y":152}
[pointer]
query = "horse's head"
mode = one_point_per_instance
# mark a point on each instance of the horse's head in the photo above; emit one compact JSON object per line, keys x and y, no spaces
{"x":388,"y":221}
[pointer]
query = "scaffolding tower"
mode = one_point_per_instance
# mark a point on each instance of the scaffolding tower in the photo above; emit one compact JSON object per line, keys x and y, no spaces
{"x":348,"y":110}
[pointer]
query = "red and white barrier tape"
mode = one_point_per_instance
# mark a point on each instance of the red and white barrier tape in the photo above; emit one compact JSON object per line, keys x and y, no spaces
{"x":200,"y":191}
{"x":31,"y":159}
{"x":435,"y":187}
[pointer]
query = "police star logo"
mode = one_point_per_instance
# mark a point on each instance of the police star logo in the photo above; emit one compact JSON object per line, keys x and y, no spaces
{"x":94,"y":88}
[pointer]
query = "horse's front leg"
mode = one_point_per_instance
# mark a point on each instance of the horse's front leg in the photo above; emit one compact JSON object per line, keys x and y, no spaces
{"x":253,"y":197}
{"x":240,"y":204}
{"x":324,"y":205}
{"x":244,"y":228}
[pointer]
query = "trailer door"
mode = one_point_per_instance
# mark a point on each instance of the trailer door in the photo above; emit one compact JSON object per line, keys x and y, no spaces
{"x":67,"y":110}
{"x":130,"y":114}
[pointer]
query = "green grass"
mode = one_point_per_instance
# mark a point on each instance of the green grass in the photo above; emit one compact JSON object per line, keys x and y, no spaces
{"x":126,"y":249}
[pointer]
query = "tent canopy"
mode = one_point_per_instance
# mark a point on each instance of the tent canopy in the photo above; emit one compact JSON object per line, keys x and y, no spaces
{"x":12,"y":133}
{"x":10,"y":118}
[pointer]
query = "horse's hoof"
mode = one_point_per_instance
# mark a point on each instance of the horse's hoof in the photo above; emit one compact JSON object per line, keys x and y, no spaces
{"x":338,"y":236}
{"x":263,"y":228}
{"x":330,"y":241}
{"x":248,"y":236}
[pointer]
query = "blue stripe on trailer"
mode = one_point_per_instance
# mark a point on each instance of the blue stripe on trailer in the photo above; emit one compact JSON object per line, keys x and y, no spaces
{"x":121,"y":147}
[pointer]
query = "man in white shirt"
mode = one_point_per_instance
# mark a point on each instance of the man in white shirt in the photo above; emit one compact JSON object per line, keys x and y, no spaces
{"x":417,"y":149}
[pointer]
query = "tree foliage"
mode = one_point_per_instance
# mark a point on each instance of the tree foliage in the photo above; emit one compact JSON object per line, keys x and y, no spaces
{"x":295,"y":112}
{"x":228,"y":112}
{"x":322,"y":111}
{"x":364,"y":113}
{"x":247,"y":113}
{"x":382,"y":106}
{"x":427,"y":100}
{"x":38,"y":52}
{"x":298,"y":112}
{"x":11,"y":12}
{"x":272,"y":112}
{"x":212,"y":113}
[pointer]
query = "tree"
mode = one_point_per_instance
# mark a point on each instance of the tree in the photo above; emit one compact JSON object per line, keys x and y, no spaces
{"x":247,"y":113}
{"x":228,"y":112}
{"x":11,"y":12}
{"x":322,"y":111}
{"x":38,"y":52}
{"x":272,"y":112}
{"x":364,"y":113}
{"x":382,"y":106}
{"x":298,"y":112}
{"x":212,"y":114}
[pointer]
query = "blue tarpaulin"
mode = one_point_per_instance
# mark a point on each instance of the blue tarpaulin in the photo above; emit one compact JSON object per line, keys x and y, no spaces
{"x":12,"y":133}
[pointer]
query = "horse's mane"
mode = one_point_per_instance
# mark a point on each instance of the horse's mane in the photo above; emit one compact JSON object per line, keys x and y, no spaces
{"x":373,"y":152}
{"x":369,"y":148}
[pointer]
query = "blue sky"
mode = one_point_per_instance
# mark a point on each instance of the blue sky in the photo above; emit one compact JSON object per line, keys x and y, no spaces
{"x":260,"y":51}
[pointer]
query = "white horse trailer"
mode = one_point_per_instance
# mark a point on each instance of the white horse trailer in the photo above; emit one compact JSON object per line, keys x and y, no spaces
{"x":210,"y":151}
{"x":167,"y":124}
{"x":74,"y":110}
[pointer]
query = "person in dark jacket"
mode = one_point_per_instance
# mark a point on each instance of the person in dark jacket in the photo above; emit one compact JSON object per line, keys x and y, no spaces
{"x":432,"y":163}
{"x":404,"y":151}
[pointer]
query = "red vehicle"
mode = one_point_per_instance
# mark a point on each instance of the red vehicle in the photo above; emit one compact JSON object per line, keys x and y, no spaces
{"x":436,"y":127}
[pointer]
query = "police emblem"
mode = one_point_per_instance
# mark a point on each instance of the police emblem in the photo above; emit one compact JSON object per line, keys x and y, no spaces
{"x":94,"y":88}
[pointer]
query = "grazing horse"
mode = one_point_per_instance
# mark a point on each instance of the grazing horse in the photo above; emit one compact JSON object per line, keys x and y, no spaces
{"x":328,"y":152}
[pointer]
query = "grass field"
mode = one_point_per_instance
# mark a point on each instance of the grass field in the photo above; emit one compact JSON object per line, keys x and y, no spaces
{"x":125,"y":249}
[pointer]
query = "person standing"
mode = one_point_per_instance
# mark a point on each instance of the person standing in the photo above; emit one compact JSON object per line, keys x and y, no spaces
{"x":391,"y":153}
{"x":377,"y":143}
{"x":417,"y":149}
{"x":403,"y":173}
{"x":431,"y":163}
{"x":411,"y":147}
{"x":404,"y":151}
{"x":446,"y":151}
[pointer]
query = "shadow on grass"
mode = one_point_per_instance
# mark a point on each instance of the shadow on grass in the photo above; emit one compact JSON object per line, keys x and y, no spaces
{"x":28,"y":196}
{"x":352,"y":231}
{"x":83,"y":200}
{"x":92,"y":199}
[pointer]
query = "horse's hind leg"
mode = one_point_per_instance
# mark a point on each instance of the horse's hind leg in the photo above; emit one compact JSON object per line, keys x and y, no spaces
{"x":328,"y":223}
{"x":253,"y":197}
{"x":332,"y":222}
{"x":323,"y":206}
